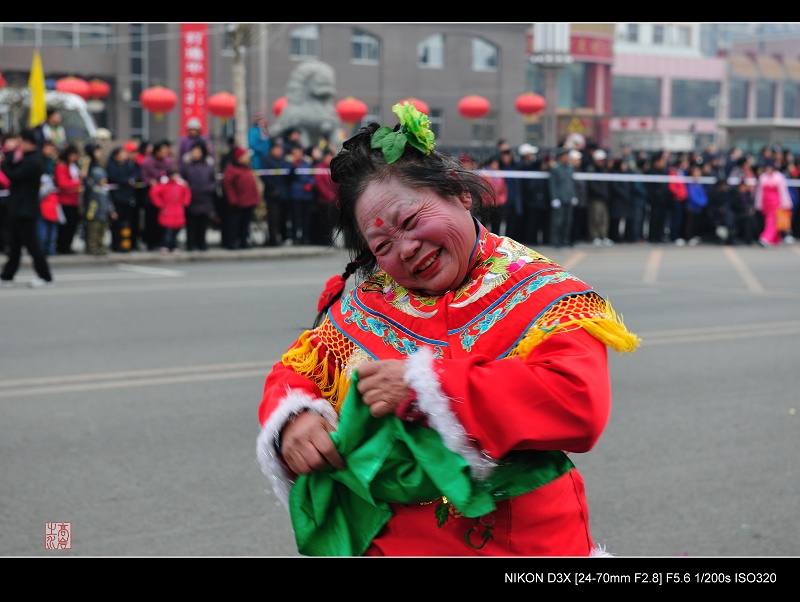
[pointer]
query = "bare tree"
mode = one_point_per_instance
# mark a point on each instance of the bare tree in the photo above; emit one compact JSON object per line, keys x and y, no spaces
{"x":241,"y":36}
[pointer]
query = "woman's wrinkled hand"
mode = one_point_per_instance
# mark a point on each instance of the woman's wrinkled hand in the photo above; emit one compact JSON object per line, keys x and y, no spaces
{"x":382,"y":386}
{"x":306,"y":445}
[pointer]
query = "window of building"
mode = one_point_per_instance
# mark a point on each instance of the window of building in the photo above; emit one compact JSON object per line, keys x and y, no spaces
{"x":59,"y":34}
{"x":571,"y":84}
{"x":683,"y":36}
{"x":436,"y":119}
{"x":91,"y":36}
{"x":658,"y":34}
{"x":765,"y":100}
{"x":692,"y":98}
{"x":138,"y":79}
{"x":430,"y":52}
{"x":632,"y":32}
{"x":485,"y":56}
{"x":366,"y":47}
{"x":97,"y":36}
{"x":636,"y":96}
{"x":737,"y":99}
{"x":304,"y":42}
{"x":26,"y":34}
{"x":575,"y":86}
{"x":485,"y":128}
{"x":791,"y":104}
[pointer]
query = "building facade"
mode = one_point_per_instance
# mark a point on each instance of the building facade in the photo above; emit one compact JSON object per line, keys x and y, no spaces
{"x":656,"y":84}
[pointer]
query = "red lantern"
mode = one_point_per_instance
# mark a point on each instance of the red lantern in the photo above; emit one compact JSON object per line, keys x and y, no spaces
{"x":158,"y":100}
{"x":473,"y":106}
{"x":421,"y":105}
{"x":75,"y":85}
{"x":98,"y":89}
{"x":278,"y":105}
{"x":351,"y":110}
{"x":529,"y":104}
{"x":222,"y":105}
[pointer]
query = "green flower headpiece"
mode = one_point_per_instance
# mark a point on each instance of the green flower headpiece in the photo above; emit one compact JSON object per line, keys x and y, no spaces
{"x":413,"y":130}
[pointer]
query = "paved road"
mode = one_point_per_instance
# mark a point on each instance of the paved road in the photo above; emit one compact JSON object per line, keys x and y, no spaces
{"x":128,"y":396}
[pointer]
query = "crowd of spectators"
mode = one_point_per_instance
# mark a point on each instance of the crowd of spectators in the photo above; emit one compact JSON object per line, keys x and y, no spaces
{"x":150,"y":196}
{"x":679,"y":198}
{"x":573,"y":195}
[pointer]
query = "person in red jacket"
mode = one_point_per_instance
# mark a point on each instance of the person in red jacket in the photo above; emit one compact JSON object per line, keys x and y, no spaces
{"x":171,"y":196}
{"x":324,"y":218}
{"x":433,"y":408}
{"x":241,"y":191}
{"x":69,"y":182}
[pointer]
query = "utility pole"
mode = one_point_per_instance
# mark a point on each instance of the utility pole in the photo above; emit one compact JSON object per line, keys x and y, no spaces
{"x":551,"y":51}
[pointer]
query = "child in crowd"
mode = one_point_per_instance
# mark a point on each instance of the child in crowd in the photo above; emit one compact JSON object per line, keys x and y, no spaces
{"x":172,"y":195}
{"x":99,"y":210}
{"x":51,"y":214}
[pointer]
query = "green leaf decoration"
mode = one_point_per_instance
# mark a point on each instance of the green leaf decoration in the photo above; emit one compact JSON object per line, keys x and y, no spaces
{"x":442,"y":512}
{"x":414,"y":130}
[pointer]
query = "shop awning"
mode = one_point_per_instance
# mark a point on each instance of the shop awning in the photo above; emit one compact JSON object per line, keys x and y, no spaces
{"x":770,"y":67}
{"x":743,"y":66}
{"x":792,"y":68}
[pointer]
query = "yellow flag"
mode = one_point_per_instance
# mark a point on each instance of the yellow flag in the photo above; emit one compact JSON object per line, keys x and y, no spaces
{"x":38,"y":111}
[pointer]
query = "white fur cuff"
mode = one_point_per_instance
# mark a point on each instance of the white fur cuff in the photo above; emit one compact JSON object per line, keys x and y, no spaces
{"x":431,"y":400}
{"x":268,"y":459}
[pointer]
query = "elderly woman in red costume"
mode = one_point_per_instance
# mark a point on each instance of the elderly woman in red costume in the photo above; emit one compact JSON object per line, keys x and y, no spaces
{"x":431,"y":409}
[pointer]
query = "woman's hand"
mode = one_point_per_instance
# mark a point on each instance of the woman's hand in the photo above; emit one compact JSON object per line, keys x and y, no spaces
{"x":382,"y":386}
{"x":306,"y":445}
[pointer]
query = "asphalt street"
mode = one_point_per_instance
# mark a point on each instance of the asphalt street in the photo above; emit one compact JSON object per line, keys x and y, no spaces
{"x":128,"y":398}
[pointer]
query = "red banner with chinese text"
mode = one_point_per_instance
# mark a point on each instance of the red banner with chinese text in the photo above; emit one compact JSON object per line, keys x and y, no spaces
{"x":194,"y":73}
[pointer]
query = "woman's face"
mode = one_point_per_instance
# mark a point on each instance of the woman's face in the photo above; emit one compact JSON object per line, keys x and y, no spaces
{"x":422,"y":240}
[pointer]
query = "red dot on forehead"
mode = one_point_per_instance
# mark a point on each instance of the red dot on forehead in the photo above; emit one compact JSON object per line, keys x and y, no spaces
{"x":378,"y":222}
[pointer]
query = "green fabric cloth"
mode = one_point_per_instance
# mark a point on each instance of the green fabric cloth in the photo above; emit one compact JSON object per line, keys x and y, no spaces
{"x":339,"y":512}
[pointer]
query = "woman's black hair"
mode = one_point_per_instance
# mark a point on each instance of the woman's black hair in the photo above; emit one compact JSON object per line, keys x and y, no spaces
{"x":67,"y":151}
{"x":202,"y":146}
{"x":358,"y":164}
{"x":349,"y":270}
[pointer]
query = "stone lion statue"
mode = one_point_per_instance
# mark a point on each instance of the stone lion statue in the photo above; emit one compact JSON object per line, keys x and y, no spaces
{"x":309,"y":107}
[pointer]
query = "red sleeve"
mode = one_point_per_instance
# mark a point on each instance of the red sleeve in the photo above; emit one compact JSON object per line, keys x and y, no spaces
{"x":155,"y":195}
{"x":559,"y":398}
{"x":276,"y":386}
{"x":230,"y":187}
{"x":63,"y":179}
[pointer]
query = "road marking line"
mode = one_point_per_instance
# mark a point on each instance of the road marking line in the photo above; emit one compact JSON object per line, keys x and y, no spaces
{"x":143,"y":269}
{"x":652,"y":267}
{"x":751,"y":282}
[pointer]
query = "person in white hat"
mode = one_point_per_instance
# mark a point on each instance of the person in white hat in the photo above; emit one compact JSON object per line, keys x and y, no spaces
{"x":259,"y":140}
{"x":534,"y":198}
{"x":563,"y":199}
{"x":194,"y":133}
{"x":599,"y":200}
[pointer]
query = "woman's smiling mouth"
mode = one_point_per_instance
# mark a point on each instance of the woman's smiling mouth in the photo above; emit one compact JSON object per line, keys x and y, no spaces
{"x":428,"y":262}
